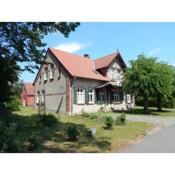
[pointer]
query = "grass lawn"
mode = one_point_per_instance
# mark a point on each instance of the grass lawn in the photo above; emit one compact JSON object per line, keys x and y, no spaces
{"x":152,"y":111}
{"x":55,"y":139}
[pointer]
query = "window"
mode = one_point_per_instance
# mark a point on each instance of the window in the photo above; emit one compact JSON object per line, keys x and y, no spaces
{"x":116,"y":96}
{"x":128,"y":98}
{"x":40,"y":79}
{"x":101,"y":97}
{"x":52,"y":72}
{"x":37,"y":97}
{"x":90,"y":96}
{"x":80,"y":96}
{"x":59,"y":72}
{"x":46,"y":74}
{"x":42,"y":96}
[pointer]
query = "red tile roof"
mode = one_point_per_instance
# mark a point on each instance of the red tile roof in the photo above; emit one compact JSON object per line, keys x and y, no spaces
{"x":105,"y":61}
{"x":78,"y":66}
{"x":29,"y":88}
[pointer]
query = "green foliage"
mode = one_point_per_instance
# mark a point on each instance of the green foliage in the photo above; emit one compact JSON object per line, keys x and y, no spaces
{"x":72,"y":132}
{"x":14,"y":104}
{"x":93,"y":116}
{"x":9,"y":142}
{"x":85,"y":114}
{"x":23,"y":42}
{"x":108,"y":122}
{"x":33,"y":142}
{"x":121,"y":120}
{"x":146,"y":77}
{"x":48,"y":120}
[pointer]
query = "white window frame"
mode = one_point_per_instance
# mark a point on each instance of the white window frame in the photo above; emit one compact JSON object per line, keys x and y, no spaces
{"x":52,"y":69}
{"x":116,"y":96}
{"x":37,"y":97}
{"x":91,"y":96}
{"x":128,"y":98}
{"x":46,"y":74}
{"x":80,"y":96}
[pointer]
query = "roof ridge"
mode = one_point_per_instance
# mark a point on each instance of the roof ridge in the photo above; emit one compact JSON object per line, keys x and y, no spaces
{"x":108,"y":55}
{"x":70,"y":53}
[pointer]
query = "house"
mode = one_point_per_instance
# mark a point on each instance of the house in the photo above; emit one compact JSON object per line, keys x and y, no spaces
{"x":27,"y":95}
{"x":70,"y":83}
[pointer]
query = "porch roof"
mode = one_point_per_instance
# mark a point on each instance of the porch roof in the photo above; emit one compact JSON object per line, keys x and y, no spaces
{"x":113,"y":84}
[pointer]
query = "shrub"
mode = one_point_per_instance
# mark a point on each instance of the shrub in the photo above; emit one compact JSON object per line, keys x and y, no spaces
{"x":10,"y":141}
{"x":14,"y":104}
{"x":93,"y":116}
{"x":48,"y":120}
{"x":72,"y":132}
{"x":121,"y":120}
{"x":85,"y":114}
{"x":108,"y":122}
{"x":33,"y":142}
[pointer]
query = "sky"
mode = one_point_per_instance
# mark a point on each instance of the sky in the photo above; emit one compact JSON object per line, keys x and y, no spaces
{"x":131,"y":39}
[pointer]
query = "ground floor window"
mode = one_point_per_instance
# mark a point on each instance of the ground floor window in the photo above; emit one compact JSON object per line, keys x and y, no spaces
{"x":80,"y":96}
{"x":90,"y":96}
{"x":42,"y":96}
{"x":101,"y":97}
{"x":116,"y":96}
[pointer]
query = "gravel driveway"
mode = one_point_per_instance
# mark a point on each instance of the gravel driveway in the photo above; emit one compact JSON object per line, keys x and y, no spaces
{"x":163,"y":120}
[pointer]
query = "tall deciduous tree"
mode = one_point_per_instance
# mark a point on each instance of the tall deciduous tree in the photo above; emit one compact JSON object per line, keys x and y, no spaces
{"x":165,"y":83}
{"x":146,"y":77}
{"x":22,"y":42}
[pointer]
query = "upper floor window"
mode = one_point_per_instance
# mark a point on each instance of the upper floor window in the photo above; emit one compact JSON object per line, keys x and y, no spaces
{"x":52,"y":71}
{"x":40,"y":79}
{"x":46,"y":74}
{"x":37,"y":97}
{"x":114,"y":74}
{"x":80,"y":96}
{"x":90,"y":96}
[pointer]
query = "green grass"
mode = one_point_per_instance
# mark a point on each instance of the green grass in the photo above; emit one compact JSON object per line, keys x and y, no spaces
{"x":55,"y":139}
{"x":152,"y":111}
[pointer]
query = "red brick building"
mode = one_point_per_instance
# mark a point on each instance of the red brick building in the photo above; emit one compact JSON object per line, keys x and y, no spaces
{"x":27,"y":95}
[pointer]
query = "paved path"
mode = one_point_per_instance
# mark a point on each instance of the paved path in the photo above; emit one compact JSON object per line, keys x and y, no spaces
{"x":165,"y":121}
{"x":162,"y":141}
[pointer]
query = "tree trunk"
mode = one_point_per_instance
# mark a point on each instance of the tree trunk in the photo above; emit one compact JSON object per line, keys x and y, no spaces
{"x":159,"y":103}
{"x":145,"y":104}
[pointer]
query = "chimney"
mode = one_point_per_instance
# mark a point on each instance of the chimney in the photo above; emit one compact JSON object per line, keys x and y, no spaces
{"x":86,"y":55}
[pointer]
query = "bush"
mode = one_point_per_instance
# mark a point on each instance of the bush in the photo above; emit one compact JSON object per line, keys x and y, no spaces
{"x":93,"y":116}
{"x":108,"y":122}
{"x":121,"y":120}
{"x":85,"y":114}
{"x":9,"y":141}
{"x":33,"y":142}
{"x":14,"y":104}
{"x":48,"y":120}
{"x":72,"y":132}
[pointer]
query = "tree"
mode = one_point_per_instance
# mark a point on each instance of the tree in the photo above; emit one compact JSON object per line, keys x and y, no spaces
{"x":22,"y":42}
{"x":165,"y":83}
{"x":148,"y":78}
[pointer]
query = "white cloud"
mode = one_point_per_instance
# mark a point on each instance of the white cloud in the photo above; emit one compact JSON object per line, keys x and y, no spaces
{"x":154,"y":51}
{"x":72,"y":46}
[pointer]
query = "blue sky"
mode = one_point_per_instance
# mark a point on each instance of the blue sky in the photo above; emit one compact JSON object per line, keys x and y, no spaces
{"x":100,"y":39}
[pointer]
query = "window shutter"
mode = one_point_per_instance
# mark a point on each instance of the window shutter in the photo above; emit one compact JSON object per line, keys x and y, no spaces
{"x":86,"y":96}
{"x":75,"y":95}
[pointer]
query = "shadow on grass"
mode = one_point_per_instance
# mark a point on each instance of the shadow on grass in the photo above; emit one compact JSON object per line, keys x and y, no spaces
{"x":52,"y":139}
